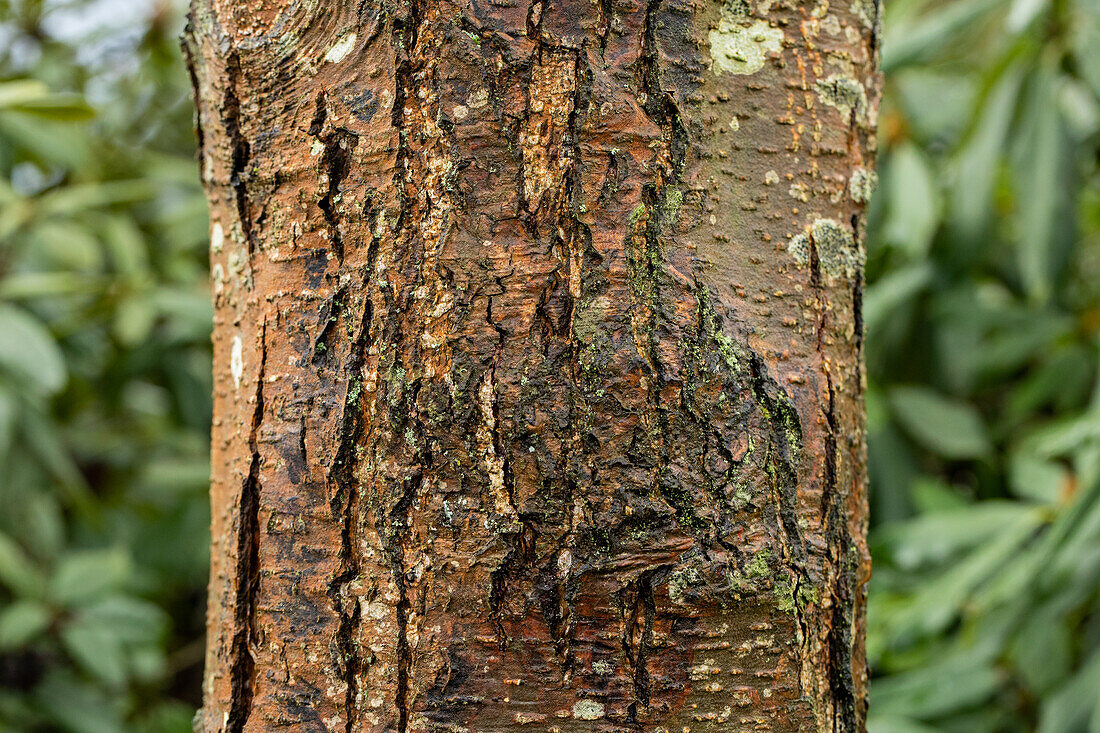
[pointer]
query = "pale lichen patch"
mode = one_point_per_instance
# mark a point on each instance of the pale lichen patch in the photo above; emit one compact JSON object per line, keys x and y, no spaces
{"x":588,"y":710}
{"x":843,"y":93}
{"x":862,"y":184}
{"x":799,"y":248}
{"x":739,"y":49}
{"x":866,"y":11}
{"x":838,"y":256}
{"x":340,"y":50}
{"x":217,"y":238}
{"x":236,"y":361}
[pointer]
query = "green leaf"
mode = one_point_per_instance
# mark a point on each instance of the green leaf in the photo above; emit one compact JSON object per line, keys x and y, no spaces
{"x":979,"y":161}
{"x":17,"y":571}
{"x":21,"y":622}
{"x":134,"y":620}
{"x":33,"y":97}
{"x":29,"y":353}
{"x":885,"y":724}
{"x":86,"y":709}
{"x":909,"y":43}
{"x":89,"y":575}
{"x":1042,"y":176}
{"x":949,"y":428}
{"x":934,"y":538}
{"x":1023,"y":12}
{"x":1037,"y":479}
{"x":1072,"y":705}
{"x":891,"y":292}
{"x":914,"y":201}
{"x":9,"y":417}
{"x":935,"y":689}
{"x":97,"y":648}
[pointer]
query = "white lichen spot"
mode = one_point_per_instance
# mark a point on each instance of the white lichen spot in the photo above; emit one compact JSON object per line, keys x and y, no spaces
{"x":844,"y":93}
{"x":866,"y":11}
{"x":799,"y":192}
{"x":478,"y":99}
{"x":838,"y":256}
{"x":739,"y":49}
{"x":704,"y":670}
{"x":460,"y":113}
{"x":831,"y":25}
{"x":236,"y":361}
{"x":217,"y":274}
{"x":217,"y":238}
{"x":771,"y":178}
{"x":525,"y":718}
{"x":862,"y":184}
{"x":735,"y":125}
{"x":602,"y":667}
{"x":341,"y":49}
{"x":316,"y":147}
{"x":565,"y":563}
{"x":587,"y":710}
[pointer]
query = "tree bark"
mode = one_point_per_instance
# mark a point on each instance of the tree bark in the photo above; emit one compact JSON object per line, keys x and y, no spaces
{"x":537,"y":352}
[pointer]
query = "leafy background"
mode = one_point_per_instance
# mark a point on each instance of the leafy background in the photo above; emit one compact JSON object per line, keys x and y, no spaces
{"x":983,"y":338}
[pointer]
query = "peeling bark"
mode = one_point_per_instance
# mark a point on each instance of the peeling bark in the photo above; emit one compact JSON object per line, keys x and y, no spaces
{"x":538,"y":388}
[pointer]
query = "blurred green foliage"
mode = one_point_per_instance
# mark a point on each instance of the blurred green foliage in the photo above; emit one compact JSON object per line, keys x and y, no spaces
{"x":983,"y":337}
{"x":104,"y":373}
{"x":983,"y":332}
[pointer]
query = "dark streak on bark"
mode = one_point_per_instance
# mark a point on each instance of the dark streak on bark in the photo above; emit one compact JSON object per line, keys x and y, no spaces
{"x":659,"y":105}
{"x":857,"y":307}
{"x":783,"y":455}
{"x":189,"y":46}
{"x":248,"y":564}
{"x":328,"y":315}
{"x":344,"y":506}
{"x":643,"y":605}
{"x":242,"y":150}
{"x":336,"y":160}
{"x":840,"y":627}
{"x":607,"y":13}
{"x":405,"y":32}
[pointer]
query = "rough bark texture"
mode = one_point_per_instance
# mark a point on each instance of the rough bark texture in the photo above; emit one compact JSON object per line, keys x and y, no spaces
{"x":537,"y":362}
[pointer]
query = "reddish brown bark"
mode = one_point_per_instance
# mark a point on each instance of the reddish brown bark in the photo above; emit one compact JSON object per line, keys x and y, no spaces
{"x":537,"y":361}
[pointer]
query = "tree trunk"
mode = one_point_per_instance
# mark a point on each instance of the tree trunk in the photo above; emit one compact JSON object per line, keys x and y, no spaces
{"x":537,"y":351}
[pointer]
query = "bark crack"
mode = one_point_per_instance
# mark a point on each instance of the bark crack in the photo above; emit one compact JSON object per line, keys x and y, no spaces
{"x":242,"y":672}
{"x":406,"y":29}
{"x":336,"y":159}
{"x":241,"y":151}
{"x":345,"y":506}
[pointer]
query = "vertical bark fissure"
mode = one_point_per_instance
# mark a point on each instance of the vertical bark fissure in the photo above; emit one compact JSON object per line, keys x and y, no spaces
{"x":840,"y":623}
{"x":241,"y":150}
{"x":189,"y":46}
{"x":406,"y":30}
{"x":345,"y":507}
{"x":838,"y":539}
{"x":336,"y":158}
{"x":248,"y":564}
{"x":642,"y":610}
{"x":782,"y":459}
